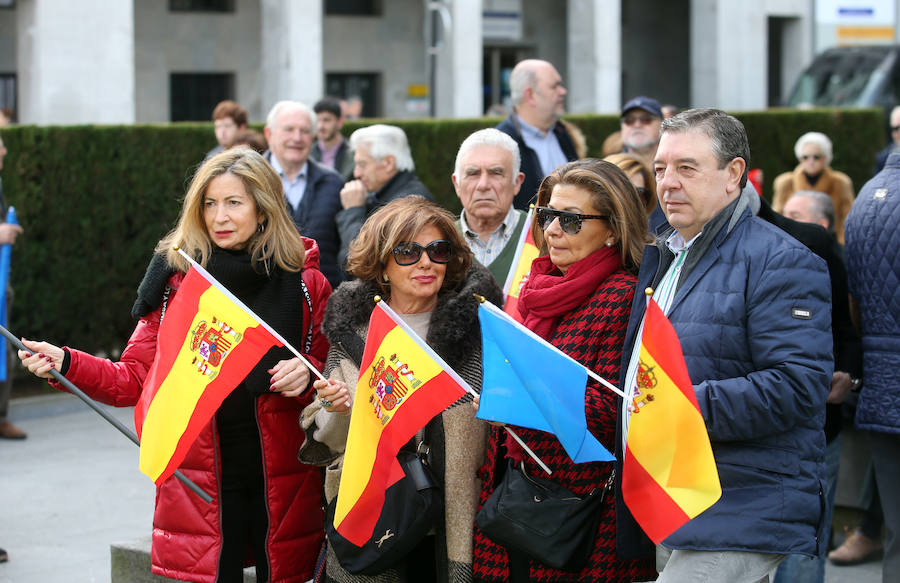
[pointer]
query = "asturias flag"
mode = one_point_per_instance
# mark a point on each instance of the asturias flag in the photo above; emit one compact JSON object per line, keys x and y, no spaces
{"x":402,"y":385}
{"x":669,"y":474}
{"x":207,"y":343}
{"x":531,"y":383}
{"x":526,"y":252}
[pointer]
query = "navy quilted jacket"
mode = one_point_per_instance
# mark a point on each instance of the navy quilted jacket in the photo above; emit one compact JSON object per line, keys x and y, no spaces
{"x":873,"y":266}
{"x":753,"y":314}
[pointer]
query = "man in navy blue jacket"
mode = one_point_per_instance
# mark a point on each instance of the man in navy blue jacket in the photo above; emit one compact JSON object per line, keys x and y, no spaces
{"x":752,"y":309}
{"x":312,"y":192}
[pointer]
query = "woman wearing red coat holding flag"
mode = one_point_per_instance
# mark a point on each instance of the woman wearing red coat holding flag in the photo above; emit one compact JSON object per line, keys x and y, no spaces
{"x":592,"y":230}
{"x":266,"y":507}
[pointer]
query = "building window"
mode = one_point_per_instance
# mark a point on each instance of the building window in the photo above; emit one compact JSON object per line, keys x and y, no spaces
{"x":193,"y":96}
{"x":352,"y":7}
{"x":355,"y":87}
{"x":201,"y":5}
{"x":7,"y":3}
{"x":8,"y":93}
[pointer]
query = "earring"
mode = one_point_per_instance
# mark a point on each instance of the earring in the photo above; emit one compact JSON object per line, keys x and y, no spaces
{"x":610,"y":243}
{"x":385,"y":278}
{"x":260,"y":227}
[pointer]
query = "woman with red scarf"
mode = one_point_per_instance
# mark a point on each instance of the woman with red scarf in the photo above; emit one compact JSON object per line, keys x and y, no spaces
{"x":592,"y":230}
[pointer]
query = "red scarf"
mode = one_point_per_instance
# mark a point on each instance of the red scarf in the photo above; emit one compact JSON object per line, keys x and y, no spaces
{"x":549,"y":294}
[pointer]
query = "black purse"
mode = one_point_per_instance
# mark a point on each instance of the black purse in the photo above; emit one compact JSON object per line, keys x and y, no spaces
{"x":412,"y":506}
{"x":542,"y":519}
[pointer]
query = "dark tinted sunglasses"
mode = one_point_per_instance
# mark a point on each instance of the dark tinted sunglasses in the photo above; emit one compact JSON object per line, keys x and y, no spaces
{"x":569,"y":222}
{"x":813,"y":156}
{"x":409,"y":252}
{"x":632,"y":119}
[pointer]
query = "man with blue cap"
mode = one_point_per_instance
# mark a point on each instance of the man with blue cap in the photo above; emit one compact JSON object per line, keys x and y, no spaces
{"x":641,"y":119}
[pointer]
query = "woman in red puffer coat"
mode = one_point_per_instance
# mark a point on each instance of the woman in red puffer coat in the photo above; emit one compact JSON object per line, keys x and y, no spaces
{"x":266,"y":507}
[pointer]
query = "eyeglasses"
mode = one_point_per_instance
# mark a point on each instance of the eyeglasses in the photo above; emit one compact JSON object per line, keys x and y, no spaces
{"x":645,"y":119}
{"x":569,"y":222}
{"x":644,"y":193}
{"x":409,"y":252}
{"x":805,"y":157}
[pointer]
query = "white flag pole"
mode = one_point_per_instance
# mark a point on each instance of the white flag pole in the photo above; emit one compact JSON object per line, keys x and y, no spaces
{"x":244,"y":307}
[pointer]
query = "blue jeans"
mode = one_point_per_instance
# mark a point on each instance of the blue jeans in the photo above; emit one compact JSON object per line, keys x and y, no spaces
{"x":803,"y":569}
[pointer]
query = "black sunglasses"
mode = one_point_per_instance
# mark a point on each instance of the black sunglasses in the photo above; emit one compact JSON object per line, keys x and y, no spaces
{"x":895,"y":128}
{"x":645,"y":119}
{"x":569,"y":222}
{"x":409,"y":252}
{"x":813,"y":156}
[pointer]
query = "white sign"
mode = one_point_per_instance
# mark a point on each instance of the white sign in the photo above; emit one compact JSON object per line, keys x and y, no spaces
{"x":856,"y":12}
{"x":501,"y":20}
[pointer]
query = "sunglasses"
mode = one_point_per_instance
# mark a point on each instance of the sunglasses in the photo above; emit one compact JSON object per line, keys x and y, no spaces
{"x":895,"y":128}
{"x":569,"y":222}
{"x":409,"y":252}
{"x":645,"y":119}
{"x":813,"y":156}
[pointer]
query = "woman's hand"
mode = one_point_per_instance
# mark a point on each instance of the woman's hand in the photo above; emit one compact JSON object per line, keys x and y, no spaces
{"x":476,"y":400}
{"x":41,"y":358}
{"x":289,"y":377}
{"x":334,"y":396}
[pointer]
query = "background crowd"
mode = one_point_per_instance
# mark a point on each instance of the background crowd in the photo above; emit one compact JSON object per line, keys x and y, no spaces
{"x":780,"y":325}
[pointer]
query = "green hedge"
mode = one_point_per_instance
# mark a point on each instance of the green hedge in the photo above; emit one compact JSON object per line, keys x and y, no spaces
{"x":94,"y":200}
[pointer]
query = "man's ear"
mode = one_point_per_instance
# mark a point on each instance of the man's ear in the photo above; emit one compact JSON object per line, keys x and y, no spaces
{"x":735,"y":171}
{"x":267,"y":132}
{"x":390,"y":163}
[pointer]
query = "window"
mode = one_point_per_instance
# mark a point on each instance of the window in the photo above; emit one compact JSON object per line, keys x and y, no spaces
{"x":8,"y":92}
{"x":7,"y":3}
{"x":193,"y":96}
{"x":200,"y":5}
{"x":355,"y":86}
{"x":352,"y":8}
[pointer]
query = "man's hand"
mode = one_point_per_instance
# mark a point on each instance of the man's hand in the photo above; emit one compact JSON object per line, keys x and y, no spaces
{"x":8,"y":233}
{"x":353,"y":194}
{"x":840,"y":387}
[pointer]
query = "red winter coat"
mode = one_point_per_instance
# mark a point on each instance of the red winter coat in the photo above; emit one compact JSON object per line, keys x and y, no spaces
{"x":186,"y":533}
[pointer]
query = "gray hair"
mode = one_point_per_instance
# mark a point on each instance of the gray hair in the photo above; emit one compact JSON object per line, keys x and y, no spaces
{"x":822,"y":207}
{"x":819,"y":140}
{"x":383,"y":140}
{"x":285,"y":105}
{"x":727,"y":134}
{"x":489,"y":137}
{"x":523,"y":76}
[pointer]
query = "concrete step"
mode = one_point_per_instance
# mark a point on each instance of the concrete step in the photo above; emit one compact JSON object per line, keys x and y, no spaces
{"x":130,"y":563}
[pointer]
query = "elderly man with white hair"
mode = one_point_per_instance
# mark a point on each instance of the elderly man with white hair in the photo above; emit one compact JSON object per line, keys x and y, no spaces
{"x":383,"y":171}
{"x":311,"y":190}
{"x":486,"y":179}
{"x":538,"y":98}
{"x":814,"y":152}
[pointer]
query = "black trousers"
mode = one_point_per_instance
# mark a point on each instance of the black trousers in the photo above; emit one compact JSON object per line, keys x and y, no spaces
{"x":245,"y":523}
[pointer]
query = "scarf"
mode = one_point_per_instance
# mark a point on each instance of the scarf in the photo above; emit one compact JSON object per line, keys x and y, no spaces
{"x":549,"y":294}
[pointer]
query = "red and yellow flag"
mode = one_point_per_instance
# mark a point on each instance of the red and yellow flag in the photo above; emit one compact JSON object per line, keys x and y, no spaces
{"x":402,"y":385}
{"x":669,"y":474}
{"x":207,"y":343}
{"x":526,"y":252}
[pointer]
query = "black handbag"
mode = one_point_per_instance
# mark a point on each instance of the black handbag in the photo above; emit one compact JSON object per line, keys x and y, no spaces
{"x":542,"y":519}
{"x":412,"y":506}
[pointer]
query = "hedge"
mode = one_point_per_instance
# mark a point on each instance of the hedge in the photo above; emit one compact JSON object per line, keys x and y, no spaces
{"x":94,"y":200}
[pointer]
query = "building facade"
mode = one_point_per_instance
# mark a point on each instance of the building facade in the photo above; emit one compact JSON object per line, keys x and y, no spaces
{"x":127,"y":61}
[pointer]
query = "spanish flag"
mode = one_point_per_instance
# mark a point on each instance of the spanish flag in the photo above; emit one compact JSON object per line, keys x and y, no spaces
{"x":669,"y":475}
{"x":402,"y":385}
{"x":526,"y":252}
{"x":208,"y":342}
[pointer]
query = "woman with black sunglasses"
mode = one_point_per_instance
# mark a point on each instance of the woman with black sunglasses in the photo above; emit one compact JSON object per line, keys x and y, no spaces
{"x":814,"y":172}
{"x":592,"y":228}
{"x":410,"y":253}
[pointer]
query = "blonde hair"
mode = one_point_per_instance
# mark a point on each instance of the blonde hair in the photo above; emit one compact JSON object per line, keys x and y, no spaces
{"x":276,"y":241}
{"x":613,"y":195}
{"x":396,"y":222}
{"x":632,"y":166}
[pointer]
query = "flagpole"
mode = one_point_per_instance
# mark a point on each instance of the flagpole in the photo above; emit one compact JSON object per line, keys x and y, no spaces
{"x":246,"y":308}
{"x":103,"y":413}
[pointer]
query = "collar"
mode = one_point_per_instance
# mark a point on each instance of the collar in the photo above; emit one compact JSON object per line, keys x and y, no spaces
{"x":276,"y":165}
{"x":530,"y":129}
{"x":509,"y":222}
{"x":326,"y":150}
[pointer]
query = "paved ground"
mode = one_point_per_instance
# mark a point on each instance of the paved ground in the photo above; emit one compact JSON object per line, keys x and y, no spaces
{"x":73,"y":487}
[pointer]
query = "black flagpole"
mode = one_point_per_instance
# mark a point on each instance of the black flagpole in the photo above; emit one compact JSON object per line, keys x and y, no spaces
{"x":103,"y":413}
